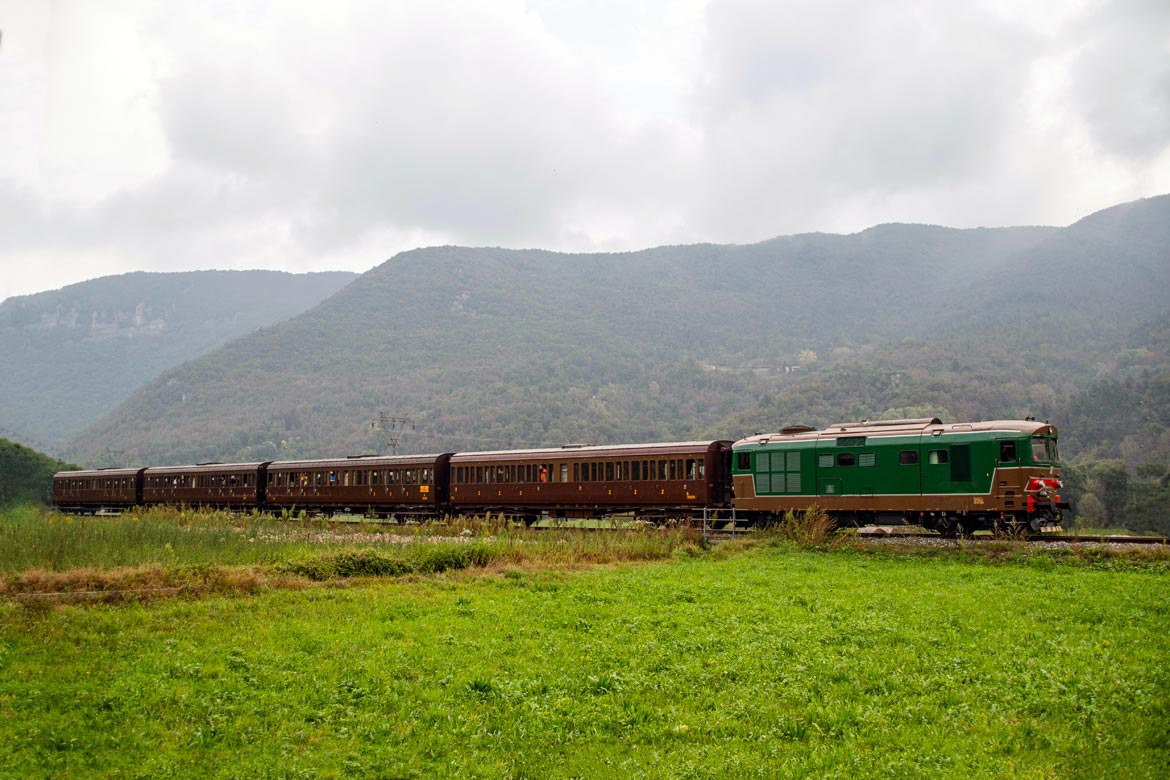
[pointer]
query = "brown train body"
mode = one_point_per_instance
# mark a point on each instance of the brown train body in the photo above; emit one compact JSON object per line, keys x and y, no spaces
{"x":412,"y":484}
{"x":651,"y":479}
{"x":93,"y":490}
{"x":229,"y":485}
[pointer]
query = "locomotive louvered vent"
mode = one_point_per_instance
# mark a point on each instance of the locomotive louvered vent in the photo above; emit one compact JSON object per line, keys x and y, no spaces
{"x":797,"y":429}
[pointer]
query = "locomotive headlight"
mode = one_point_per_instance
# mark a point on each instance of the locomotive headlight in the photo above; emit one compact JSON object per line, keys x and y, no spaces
{"x":1043,"y":485}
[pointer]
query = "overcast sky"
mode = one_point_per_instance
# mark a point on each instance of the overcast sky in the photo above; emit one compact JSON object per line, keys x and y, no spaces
{"x":168,"y":135}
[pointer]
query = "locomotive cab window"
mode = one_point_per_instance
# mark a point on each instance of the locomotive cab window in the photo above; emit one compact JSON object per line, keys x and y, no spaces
{"x":1043,"y":450}
{"x":743,"y":461}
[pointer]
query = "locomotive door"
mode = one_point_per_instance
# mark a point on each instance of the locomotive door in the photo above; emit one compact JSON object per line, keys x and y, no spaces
{"x":946,"y":468}
{"x":1008,"y":476}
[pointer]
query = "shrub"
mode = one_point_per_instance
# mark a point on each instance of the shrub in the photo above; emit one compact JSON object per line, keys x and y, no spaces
{"x":808,"y":528}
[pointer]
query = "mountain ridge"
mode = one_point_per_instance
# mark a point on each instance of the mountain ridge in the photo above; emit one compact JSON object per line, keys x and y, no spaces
{"x":533,"y":346}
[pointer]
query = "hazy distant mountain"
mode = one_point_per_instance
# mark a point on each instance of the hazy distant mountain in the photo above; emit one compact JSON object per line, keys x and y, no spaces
{"x":71,"y":355}
{"x":491,"y":348}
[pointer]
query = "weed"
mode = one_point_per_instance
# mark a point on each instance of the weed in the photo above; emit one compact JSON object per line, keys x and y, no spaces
{"x":810,"y":528}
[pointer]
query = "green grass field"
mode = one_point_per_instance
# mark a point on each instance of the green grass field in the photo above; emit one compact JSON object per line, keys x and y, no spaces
{"x":756,"y":659}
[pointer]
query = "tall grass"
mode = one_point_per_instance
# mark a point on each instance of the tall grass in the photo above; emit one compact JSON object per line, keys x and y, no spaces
{"x":810,"y":528}
{"x":161,"y":549}
{"x":36,"y":538}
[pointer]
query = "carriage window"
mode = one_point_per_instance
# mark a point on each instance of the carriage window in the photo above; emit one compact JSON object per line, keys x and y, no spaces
{"x":908,"y":457}
{"x":426,"y":476}
{"x":702,"y":469}
{"x":609,"y":472}
{"x":662,"y":469}
{"x":691,"y":473}
{"x":635,"y":472}
{"x":479,"y":475}
{"x":564,"y":472}
{"x":673,"y":469}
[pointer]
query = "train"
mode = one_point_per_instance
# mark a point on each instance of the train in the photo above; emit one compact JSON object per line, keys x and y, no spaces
{"x":947,"y":477}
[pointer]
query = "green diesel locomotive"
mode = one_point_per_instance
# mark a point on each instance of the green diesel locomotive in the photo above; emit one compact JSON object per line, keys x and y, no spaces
{"x":946,"y":477}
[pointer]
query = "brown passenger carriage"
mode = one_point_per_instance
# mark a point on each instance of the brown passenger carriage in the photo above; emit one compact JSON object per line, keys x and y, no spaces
{"x":379,"y":485}
{"x":96,"y":490}
{"x":661,"y":480}
{"x":227,"y":485}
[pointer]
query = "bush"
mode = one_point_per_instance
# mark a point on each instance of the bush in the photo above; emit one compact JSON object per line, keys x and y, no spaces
{"x":348,"y":563}
{"x":809,"y":528}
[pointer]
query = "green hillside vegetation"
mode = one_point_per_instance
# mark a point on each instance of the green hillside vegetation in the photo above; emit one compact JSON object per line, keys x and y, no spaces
{"x":493,"y":348}
{"x":72,"y":355}
{"x":26,"y":476}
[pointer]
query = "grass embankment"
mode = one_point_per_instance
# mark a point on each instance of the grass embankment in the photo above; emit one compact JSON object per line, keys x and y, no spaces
{"x":770,"y":661}
{"x":159,"y":552}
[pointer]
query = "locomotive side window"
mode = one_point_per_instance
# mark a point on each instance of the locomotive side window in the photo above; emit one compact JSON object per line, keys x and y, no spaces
{"x":846,"y":459}
{"x":908,"y":457}
{"x":938,"y":457}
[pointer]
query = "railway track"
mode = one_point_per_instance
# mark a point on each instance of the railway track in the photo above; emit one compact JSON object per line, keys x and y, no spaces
{"x":1039,"y":539}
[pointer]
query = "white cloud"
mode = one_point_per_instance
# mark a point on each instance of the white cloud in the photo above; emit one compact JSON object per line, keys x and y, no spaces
{"x":159,"y":135}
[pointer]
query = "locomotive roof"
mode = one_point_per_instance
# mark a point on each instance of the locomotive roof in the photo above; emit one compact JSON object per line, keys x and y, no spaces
{"x":592,"y":450}
{"x":926,"y":425}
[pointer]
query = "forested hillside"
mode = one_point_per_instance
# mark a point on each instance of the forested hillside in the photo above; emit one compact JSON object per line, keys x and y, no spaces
{"x":26,"y":476}
{"x":72,"y":355}
{"x":495,"y":348}
{"x":486,"y":348}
